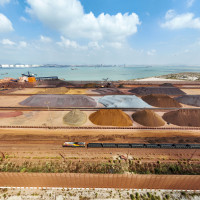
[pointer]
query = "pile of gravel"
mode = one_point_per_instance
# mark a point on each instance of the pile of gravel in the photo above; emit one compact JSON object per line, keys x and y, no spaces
{"x":75,"y":118}
{"x":193,"y":100}
{"x":189,"y":117}
{"x":161,"y":100}
{"x":123,"y":101}
{"x":148,"y":118}
{"x":110,"y":117}
{"x":61,"y":101}
{"x":157,"y":90}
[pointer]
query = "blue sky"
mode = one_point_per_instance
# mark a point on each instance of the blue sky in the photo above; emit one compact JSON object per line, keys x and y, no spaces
{"x":163,"y":32}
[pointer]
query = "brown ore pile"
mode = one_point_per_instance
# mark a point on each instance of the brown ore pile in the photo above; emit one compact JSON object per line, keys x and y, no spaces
{"x":161,"y":100}
{"x":60,"y":101}
{"x":148,"y":118}
{"x":110,"y":117}
{"x":75,"y":118}
{"x":190,"y":117}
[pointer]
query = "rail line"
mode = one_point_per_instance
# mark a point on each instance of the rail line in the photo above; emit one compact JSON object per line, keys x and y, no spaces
{"x":140,"y":145}
{"x":88,"y":108}
{"x":100,"y":127}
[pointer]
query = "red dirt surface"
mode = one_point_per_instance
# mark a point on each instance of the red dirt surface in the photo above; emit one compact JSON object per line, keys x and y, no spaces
{"x":10,"y":114}
{"x":127,"y":181}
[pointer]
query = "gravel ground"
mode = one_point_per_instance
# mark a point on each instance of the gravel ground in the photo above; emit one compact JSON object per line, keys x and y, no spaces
{"x":89,"y":194}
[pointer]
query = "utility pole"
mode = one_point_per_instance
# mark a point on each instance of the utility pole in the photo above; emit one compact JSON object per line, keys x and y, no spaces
{"x":47,"y":103}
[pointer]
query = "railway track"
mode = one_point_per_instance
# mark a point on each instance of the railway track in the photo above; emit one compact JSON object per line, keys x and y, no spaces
{"x":100,"y":128}
{"x":88,"y":109}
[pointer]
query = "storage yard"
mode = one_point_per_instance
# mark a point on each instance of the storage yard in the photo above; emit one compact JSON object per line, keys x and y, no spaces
{"x":35,"y":122}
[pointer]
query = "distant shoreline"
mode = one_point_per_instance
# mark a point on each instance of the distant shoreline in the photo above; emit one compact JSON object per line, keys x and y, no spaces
{"x":183,"y":76}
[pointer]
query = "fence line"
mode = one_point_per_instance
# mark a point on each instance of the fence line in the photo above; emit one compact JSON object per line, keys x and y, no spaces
{"x":121,"y":181}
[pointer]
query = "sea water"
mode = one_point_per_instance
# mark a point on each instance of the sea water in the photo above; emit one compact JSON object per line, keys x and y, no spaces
{"x":113,"y":73}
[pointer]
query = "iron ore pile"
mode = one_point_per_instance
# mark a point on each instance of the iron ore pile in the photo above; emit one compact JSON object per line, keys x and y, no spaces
{"x":148,"y":118}
{"x":161,"y":100}
{"x":193,"y":100}
{"x":107,"y":117}
{"x":149,"y":97}
{"x":60,"y":101}
{"x":123,"y":101}
{"x":75,"y":118}
{"x":157,"y":90}
{"x":183,"y":117}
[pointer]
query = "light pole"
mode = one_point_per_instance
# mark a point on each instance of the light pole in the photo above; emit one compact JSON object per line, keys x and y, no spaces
{"x":47,"y":103}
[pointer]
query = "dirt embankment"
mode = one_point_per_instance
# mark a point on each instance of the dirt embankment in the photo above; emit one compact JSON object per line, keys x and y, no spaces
{"x":49,"y":136}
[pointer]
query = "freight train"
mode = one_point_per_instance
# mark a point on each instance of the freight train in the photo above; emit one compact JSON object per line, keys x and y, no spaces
{"x":131,"y":145}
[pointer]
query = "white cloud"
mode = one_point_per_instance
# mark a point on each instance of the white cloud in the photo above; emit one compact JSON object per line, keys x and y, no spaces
{"x":116,"y":45}
{"x":95,"y":45}
{"x":7,"y":42}
{"x":170,"y":14}
{"x":186,"y":20}
{"x":67,"y":43}
{"x":190,"y":3}
{"x":22,"y":18}
{"x":22,"y":44}
{"x":45,"y":39}
{"x":152,"y":52}
{"x":72,"y":22}
{"x":2,"y":2}
{"x":5,"y":24}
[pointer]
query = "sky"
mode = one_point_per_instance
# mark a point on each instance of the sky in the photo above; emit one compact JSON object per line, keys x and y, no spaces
{"x":138,"y":32}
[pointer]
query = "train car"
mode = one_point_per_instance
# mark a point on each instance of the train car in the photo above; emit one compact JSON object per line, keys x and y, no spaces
{"x":123,"y":145}
{"x":152,"y":146}
{"x":109,"y":145}
{"x":194,"y":146}
{"x":167,"y":146}
{"x":73,"y":144}
{"x":94,"y":145}
{"x":137,"y":145}
{"x":182,"y":146}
